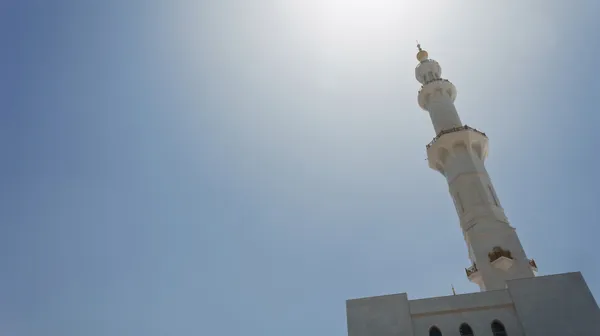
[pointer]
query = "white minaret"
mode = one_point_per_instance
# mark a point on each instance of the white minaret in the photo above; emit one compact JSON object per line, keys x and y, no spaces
{"x":458,"y":152}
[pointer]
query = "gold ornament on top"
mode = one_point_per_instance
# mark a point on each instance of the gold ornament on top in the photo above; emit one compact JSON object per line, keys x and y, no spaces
{"x":422,"y":55}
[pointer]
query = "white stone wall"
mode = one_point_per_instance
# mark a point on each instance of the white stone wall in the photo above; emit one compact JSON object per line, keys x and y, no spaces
{"x":555,"y":305}
{"x":387,"y":315}
{"x":482,"y":220}
{"x":560,"y":305}
{"x":478,"y":310}
{"x":479,"y":320}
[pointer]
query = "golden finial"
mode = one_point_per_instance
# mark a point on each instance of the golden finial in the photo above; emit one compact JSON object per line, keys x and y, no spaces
{"x":422,"y":55}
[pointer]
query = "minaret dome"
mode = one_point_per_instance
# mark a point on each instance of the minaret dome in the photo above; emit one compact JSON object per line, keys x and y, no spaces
{"x":422,"y":55}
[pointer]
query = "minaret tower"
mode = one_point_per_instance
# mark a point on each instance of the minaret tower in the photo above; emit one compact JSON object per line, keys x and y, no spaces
{"x":458,"y":152}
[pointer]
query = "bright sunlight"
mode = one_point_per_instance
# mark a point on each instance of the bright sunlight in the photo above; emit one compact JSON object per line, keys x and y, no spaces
{"x":348,"y":25}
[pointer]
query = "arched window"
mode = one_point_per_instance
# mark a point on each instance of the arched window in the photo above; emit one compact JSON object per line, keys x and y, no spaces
{"x":465,"y":330}
{"x":434,"y":331}
{"x":498,"y":328}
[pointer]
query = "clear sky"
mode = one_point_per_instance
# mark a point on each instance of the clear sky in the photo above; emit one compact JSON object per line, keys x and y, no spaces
{"x":243,"y":167}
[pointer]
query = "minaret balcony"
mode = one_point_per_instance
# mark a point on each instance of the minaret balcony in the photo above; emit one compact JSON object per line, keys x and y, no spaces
{"x":503,"y":263}
{"x":431,"y":80}
{"x":501,"y":259}
{"x":433,"y":86}
{"x":498,"y":253}
{"x":533,"y":265}
{"x":452,"y":130}
{"x":471,"y":270}
{"x":474,"y":275}
{"x":445,"y":142}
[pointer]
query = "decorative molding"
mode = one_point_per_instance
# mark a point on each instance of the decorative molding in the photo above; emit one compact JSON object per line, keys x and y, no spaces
{"x":464,"y":310}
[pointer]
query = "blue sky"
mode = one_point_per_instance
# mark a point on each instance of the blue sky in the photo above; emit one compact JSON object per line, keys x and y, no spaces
{"x":228,"y":167}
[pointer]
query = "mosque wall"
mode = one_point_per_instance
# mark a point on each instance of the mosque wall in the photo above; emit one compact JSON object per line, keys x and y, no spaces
{"x":548,"y":305}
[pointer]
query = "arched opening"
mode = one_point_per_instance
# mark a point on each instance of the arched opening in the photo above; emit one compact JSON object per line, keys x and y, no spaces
{"x":498,"y":328}
{"x":434,"y":331}
{"x":465,"y":330}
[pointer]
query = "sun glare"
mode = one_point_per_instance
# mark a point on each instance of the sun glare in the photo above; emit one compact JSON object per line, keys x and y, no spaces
{"x":358,"y":19}
{"x":359,"y":24}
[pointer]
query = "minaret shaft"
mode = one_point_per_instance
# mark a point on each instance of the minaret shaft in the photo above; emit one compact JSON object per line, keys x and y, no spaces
{"x":458,"y":152}
{"x":443,"y":113}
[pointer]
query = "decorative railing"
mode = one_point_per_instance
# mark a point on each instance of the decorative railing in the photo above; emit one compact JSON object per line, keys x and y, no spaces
{"x":434,"y":80}
{"x":452,"y":130}
{"x":471,"y":270}
{"x":497,"y":253}
{"x":532,"y":263}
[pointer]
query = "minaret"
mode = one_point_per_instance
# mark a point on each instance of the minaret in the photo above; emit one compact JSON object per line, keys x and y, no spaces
{"x":458,"y":152}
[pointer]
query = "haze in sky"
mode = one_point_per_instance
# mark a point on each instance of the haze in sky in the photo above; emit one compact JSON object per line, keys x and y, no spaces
{"x":244,"y":167}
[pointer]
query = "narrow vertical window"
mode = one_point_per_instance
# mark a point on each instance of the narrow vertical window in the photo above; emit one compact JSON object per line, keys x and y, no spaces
{"x":493,"y":195}
{"x":460,"y":204}
{"x":434,"y":331}
{"x":498,"y":329}
{"x":465,"y":330}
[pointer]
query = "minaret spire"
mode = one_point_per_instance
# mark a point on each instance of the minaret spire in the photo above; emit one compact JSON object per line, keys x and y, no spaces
{"x":422,"y":54}
{"x":458,"y":152}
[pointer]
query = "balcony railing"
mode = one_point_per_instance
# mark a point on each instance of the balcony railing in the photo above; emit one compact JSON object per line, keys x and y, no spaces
{"x":532,"y":263}
{"x":429,"y":60}
{"x":471,"y":270}
{"x":452,"y":130}
{"x":432,"y":81}
{"x":497,"y":253}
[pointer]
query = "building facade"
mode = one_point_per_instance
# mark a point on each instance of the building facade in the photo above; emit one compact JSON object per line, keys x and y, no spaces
{"x":512,"y":301}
